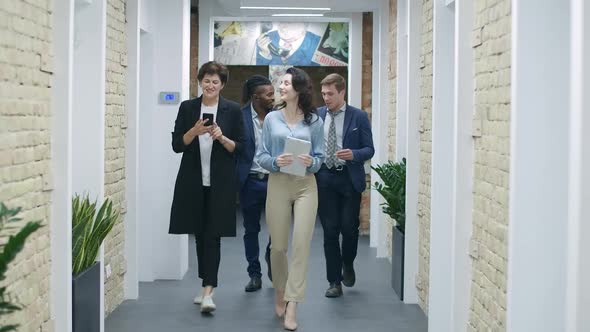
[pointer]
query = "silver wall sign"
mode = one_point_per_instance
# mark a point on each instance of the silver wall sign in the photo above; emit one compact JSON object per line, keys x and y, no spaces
{"x":169,"y":98}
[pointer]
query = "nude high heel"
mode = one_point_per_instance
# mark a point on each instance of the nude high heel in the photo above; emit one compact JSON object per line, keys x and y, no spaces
{"x":280,"y":305}
{"x":290,"y":323}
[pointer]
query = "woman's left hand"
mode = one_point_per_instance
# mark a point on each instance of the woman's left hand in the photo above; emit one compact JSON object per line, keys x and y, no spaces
{"x":305,"y":159}
{"x":216,"y":133}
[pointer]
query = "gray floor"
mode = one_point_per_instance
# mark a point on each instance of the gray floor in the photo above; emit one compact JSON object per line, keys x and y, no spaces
{"x":371,"y":305}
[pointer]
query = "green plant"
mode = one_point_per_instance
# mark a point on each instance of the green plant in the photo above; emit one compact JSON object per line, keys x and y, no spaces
{"x":89,"y":229}
{"x":9,"y":251}
{"x":393,"y":189}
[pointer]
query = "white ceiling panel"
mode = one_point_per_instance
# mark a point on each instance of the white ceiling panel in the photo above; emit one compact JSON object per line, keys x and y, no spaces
{"x":232,"y":7}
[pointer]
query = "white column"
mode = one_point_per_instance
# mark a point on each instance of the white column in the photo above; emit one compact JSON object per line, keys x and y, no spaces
{"x":166,"y":256}
{"x":144,"y":230}
{"x":411,"y":250}
{"x":355,"y":64}
{"x":61,"y":159}
{"x":463,"y":163}
{"x":452,"y":182}
{"x":205,"y":32}
{"x":401,"y":136}
{"x":442,"y":233}
{"x":376,"y":200}
{"x":379,"y":119}
{"x":131,"y":281}
{"x":539,"y":166}
{"x":88,"y":116}
{"x":89,"y":99}
{"x":578,"y":290}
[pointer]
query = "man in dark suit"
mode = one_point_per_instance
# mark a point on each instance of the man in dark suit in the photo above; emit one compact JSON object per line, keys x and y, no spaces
{"x":341,"y":181}
{"x":258,"y":95}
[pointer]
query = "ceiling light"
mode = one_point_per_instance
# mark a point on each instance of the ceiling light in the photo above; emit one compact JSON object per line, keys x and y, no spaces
{"x":287,"y":8}
{"x":304,"y":15}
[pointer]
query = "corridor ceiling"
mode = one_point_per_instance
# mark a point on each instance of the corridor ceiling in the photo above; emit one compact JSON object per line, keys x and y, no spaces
{"x":232,"y":7}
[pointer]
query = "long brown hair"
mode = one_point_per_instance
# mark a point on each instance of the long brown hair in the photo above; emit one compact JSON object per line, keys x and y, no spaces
{"x":302,"y":85}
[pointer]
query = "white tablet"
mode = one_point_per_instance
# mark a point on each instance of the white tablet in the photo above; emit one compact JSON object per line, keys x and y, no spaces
{"x":296,"y":147}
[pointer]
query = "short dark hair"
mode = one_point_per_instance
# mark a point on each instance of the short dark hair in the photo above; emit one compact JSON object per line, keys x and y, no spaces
{"x":336,"y":79}
{"x":251,"y":85}
{"x":212,"y":68}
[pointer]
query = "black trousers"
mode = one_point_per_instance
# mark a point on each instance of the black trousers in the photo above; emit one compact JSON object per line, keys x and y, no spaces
{"x":252,"y":201}
{"x":208,"y":247}
{"x":339,"y":208}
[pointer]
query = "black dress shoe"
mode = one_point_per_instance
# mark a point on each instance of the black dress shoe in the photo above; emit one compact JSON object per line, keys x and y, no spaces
{"x":267,"y":259}
{"x":254,"y":284}
{"x":335,"y":290}
{"x":348,"y":275}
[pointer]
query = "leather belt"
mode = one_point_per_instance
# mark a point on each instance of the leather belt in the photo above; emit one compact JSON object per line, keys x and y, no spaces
{"x":259,"y":176}
{"x":334,"y":169}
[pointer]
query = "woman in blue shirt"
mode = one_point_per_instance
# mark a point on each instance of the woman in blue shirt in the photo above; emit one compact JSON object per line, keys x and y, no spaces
{"x":290,"y":195}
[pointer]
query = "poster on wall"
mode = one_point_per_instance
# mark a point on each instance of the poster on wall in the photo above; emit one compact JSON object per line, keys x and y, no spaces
{"x":281,"y":43}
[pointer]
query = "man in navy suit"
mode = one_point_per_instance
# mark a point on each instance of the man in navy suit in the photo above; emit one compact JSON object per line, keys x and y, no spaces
{"x":341,"y":181}
{"x":258,"y":97}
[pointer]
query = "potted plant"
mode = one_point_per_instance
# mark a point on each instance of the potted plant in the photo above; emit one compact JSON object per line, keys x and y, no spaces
{"x":89,"y":229}
{"x":393,"y":189}
{"x":8,"y":253}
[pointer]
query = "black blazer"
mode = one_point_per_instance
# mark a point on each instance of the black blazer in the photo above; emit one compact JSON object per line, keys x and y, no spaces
{"x":186,"y":215}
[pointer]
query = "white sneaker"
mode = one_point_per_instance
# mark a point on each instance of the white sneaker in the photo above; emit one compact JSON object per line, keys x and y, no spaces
{"x":207,"y":304}
{"x":198,"y":299}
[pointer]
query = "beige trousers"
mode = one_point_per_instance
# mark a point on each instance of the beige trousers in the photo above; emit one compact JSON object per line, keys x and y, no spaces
{"x":290,"y":195}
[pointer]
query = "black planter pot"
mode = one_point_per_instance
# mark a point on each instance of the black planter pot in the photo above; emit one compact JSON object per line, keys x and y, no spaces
{"x":86,"y":300}
{"x":397,"y":262}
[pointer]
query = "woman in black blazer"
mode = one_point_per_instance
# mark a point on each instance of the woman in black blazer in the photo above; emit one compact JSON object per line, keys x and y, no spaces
{"x":205,"y":191}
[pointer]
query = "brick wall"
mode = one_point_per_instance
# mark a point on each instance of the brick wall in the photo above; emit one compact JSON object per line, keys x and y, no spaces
{"x":392,"y":77}
{"x":367,"y":65}
{"x":194,"y":55}
{"x":489,"y":242}
{"x":366,"y":104}
{"x":115,"y":126}
{"x":422,"y":282}
{"x":25,"y":152}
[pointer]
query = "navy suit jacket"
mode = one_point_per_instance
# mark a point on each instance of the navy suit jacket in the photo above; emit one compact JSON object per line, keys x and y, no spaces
{"x":356,"y":136}
{"x":246,"y":156}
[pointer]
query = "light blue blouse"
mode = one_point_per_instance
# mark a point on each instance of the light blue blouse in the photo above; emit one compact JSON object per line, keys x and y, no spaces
{"x":275,"y":132}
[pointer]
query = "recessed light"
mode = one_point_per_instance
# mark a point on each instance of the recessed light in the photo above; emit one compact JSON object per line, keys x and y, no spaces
{"x":288,"y":8}
{"x":303,"y":15}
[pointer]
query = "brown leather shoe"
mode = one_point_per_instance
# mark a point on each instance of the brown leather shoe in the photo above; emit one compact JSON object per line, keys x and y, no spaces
{"x":335,"y":290}
{"x":348,"y":275}
{"x":254,"y":284}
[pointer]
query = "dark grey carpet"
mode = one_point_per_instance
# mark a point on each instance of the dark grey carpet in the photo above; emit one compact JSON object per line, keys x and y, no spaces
{"x":371,"y":305}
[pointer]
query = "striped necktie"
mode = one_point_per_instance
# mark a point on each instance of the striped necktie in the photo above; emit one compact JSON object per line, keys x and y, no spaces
{"x":331,"y":144}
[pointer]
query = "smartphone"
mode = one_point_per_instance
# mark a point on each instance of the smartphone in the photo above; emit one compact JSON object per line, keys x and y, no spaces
{"x":274,"y":49}
{"x":208,"y":116}
{"x":278,"y":51}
